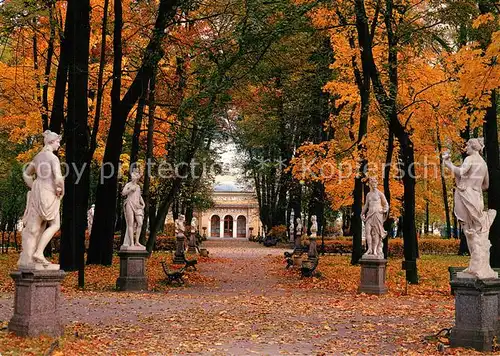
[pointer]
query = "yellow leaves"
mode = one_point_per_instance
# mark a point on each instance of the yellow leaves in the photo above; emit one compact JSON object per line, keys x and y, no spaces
{"x":482,"y":20}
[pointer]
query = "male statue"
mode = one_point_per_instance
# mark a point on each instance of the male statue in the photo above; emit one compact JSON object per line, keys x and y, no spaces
{"x":41,"y":218}
{"x":471,"y":179}
{"x":134,"y":211}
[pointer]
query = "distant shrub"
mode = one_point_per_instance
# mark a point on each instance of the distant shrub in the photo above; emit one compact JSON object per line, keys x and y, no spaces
{"x":426,"y":246}
{"x":278,"y":232}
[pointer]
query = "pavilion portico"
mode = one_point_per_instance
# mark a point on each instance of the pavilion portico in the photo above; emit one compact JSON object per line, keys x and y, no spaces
{"x":234,"y":215}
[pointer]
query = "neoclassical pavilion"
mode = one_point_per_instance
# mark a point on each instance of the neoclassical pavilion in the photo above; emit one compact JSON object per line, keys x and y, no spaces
{"x":234,"y":215}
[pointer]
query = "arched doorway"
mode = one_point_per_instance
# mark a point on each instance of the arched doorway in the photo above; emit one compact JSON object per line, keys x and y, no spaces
{"x":241,"y":224}
{"x":215,"y":226}
{"x":228,"y":226}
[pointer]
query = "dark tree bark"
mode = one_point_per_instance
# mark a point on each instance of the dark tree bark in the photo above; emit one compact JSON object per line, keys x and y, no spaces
{"x":493,"y":161}
{"x":76,"y":196}
{"x":100,"y":84}
{"x":101,"y":241}
{"x":48,"y":66}
{"x":66,"y":53}
{"x":134,"y":150}
{"x":387,"y":191}
{"x":443,"y":185}
{"x":388,"y":103}
{"x":149,"y":157}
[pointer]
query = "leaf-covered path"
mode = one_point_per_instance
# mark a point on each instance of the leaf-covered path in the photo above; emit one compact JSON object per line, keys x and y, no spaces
{"x":248,"y":305}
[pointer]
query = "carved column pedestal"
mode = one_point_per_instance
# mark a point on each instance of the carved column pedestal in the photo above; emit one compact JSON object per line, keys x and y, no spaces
{"x":132,"y":270}
{"x":179,"y":257}
{"x":192,"y":243}
{"x":372,"y":276}
{"x":37,"y":303}
{"x":476,"y":313}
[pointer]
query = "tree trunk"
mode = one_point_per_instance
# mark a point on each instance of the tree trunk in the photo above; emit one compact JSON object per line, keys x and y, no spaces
{"x":387,"y":190}
{"x":66,"y":53}
{"x":101,"y":240}
{"x":149,"y":158}
{"x":74,"y":221}
{"x":134,"y":151}
{"x":100,"y":84}
{"x":443,"y":185}
{"x":48,"y":66}
{"x":493,"y":160}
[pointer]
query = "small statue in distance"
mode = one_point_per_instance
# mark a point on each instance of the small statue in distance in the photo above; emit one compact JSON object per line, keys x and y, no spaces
{"x":42,"y":218}
{"x":291,"y":229}
{"x":374,"y":214}
{"x":194,"y":224}
{"x":134,"y":213}
{"x":471,"y":179}
{"x":314,"y":226}
{"x":179,"y":225}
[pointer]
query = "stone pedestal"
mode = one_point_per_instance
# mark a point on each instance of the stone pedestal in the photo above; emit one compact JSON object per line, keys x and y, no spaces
{"x":313,"y":251}
{"x":476,"y":313}
{"x":37,"y":303}
{"x":132,"y":270}
{"x":298,"y":242}
{"x":192,"y":243}
{"x":372,"y":276}
{"x":179,"y":257}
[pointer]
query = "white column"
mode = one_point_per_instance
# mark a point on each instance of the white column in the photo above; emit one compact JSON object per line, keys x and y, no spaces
{"x":221,"y":233}
{"x":209,"y":227}
{"x":235,"y":227}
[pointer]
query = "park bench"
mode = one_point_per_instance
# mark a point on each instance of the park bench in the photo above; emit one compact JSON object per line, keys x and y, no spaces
{"x":308,"y":267}
{"x":173,"y":275}
{"x":190,"y":263}
{"x":270,"y":241}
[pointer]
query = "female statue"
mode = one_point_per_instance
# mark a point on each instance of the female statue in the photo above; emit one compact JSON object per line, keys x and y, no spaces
{"x":134,"y":211}
{"x":41,"y":218}
{"x":374,"y":214}
{"x":471,"y":179}
{"x":314,"y":226}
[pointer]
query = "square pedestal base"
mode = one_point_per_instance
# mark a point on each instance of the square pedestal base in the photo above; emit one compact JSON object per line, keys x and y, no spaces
{"x":372,"y":276}
{"x":132,"y":271}
{"x":37,"y":303}
{"x":476,"y":313}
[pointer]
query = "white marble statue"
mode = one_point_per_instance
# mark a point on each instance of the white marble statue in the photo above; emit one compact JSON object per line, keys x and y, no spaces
{"x":194,"y":224}
{"x":90,"y":217}
{"x":133,"y":207}
{"x":471,"y":179}
{"x":291,"y":228}
{"x":374,"y":214}
{"x":41,"y":218}
{"x":298,"y":230}
{"x":179,"y":225}
{"x":314,"y":226}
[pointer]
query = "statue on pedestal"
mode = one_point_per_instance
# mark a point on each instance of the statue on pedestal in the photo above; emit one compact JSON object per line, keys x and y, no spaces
{"x":41,"y":218}
{"x":313,"y":252}
{"x":291,"y":229}
{"x":374,"y":214}
{"x":134,"y":212}
{"x":298,"y":234}
{"x":179,"y":257}
{"x":471,"y":179}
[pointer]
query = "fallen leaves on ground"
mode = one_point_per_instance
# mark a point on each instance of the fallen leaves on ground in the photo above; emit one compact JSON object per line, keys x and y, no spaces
{"x":252,"y":305}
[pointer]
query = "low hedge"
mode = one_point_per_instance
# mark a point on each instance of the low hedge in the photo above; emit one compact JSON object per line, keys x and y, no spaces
{"x":425,"y":246}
